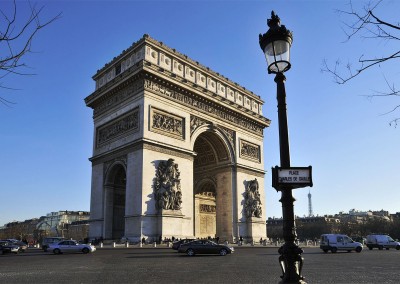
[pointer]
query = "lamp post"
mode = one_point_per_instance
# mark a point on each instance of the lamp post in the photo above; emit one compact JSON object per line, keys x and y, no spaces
{"x":275,"y":44}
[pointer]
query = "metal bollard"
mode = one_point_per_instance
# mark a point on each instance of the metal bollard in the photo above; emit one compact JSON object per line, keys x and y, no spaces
{"x":101,"y":244}
{"x":127,"y":244}
{"x":113,"y":244}
{"x":155,"y":244}
{"x":140,"y":244}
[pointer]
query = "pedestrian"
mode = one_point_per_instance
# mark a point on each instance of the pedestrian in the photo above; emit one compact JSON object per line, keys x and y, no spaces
{"x":143,"y":241}
{"x":217,"y":239}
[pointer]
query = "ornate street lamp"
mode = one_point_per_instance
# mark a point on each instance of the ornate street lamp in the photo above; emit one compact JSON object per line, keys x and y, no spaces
{"x":275,"y":44}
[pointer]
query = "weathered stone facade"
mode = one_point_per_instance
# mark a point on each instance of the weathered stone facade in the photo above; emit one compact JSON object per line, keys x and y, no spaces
{"x":175,"y":148}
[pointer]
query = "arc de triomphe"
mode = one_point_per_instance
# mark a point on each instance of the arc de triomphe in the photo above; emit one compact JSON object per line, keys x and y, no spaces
{"x":177,"y":150}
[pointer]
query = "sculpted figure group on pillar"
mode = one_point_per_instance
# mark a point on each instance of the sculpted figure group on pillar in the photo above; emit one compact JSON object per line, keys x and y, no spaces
{"x":167,"y":186}
{"x":252,"y":200}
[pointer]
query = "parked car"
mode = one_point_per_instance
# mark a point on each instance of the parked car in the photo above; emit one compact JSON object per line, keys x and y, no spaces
{"x":176,"y":245}
{"x":204,"y":247}
{"x":8,"y":247}
{"x":335,"y":242}
{"x":381,"y":242}
{"x":50,"y":240}
{"x":70,"y":246}
{"x":22,"y":246}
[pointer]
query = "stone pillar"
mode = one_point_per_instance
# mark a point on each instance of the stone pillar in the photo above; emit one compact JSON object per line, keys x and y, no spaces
{"x":170,"y":223}
{"x":108,"y":211}
{"x":255,"y":229}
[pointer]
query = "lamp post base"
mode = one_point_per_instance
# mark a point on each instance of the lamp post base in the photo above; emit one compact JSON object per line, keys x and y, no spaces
{"x":291,"y":263}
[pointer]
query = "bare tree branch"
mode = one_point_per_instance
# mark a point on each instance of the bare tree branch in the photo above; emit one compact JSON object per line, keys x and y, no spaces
{"x":366,"y":25}
{"x":16,"y":41}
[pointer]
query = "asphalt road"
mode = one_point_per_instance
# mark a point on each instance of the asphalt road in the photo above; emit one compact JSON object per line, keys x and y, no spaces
{"x":163,"y":265}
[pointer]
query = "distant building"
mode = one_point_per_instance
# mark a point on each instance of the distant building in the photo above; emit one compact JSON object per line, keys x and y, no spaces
{"x":307,"y":227}
{"x":78,"y":230}
{"x":56,"y":223}
{"x":22,"y":230}
{"x":53,"y":224}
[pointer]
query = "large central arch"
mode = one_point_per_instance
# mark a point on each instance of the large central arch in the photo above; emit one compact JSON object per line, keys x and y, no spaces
{"x":213,"y":191}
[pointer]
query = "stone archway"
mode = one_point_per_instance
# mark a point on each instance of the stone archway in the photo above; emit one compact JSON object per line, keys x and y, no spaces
{"x":213,"y":195}
{"x":152,"y":105}
{"x":114,"y":205}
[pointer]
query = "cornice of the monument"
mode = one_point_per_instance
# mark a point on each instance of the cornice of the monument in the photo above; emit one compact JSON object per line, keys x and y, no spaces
{"x":148,"y":39}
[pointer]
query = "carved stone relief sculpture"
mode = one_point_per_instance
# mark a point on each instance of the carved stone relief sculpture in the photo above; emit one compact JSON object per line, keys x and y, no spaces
{"x":118,"y":127}
{"x":252,"y":201}
{"x":249,"y":151}
{"x":167,"y":124}
{"x":167,"y":186}
{"x":206,"y":208}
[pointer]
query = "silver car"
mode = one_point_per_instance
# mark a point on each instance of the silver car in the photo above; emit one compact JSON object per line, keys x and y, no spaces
{"x":70,"y":246}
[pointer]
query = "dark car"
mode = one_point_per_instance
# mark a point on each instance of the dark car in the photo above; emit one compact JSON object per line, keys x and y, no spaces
{"x":7,"y":247}
{"x":177,"y":244}
{"x":22,"y":245}
{"x":204,"y":247}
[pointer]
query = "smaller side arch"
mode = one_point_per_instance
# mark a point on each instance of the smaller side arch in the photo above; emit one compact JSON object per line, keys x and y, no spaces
{"x":114,"y":202}
{"x":111,"y":172}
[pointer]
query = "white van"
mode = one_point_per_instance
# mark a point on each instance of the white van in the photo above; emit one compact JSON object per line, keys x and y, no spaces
{"x":381,"y":241}
{"x":335,"y":242}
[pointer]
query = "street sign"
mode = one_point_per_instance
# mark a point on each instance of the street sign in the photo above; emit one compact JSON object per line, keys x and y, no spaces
{"x":293,"y":177}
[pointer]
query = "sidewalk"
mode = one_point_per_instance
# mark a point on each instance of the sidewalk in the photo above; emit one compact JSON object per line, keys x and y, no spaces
{"x":169,"y":246}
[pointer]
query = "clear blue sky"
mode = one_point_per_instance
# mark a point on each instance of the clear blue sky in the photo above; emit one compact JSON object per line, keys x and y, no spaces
{"x":46,"y":138}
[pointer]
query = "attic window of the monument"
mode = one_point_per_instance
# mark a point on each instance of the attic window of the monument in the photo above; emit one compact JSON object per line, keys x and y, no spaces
{"x":191,"y":73}
{"x":153,"y":54}
{"x":117,"y":69}
{"x":202,"y":79}
{"x":167,"y":61}
{"x":180,"y":68}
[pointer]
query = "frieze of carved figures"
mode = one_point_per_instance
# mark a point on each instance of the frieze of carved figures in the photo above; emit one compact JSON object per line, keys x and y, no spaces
{"x":118,"y":127}
{"x":252,"y":200}
{"x":204,"y":106}
{"x":119,"y":97}
{"x":168,"y":124}
{"x":249,"y":150}
{"x":167,"y":186}
{"x":206,"y":194}
{"x":206,"y":208}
